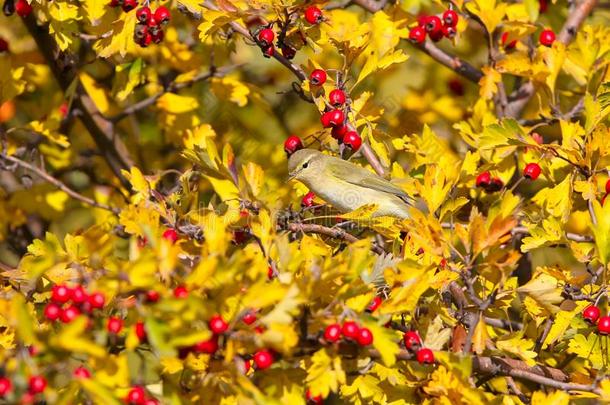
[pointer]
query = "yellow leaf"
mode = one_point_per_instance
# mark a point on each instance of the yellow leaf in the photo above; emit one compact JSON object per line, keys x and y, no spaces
{"x":71,"y":339}
{"x":488,"y":11}
{"x":176,"y":104}
{"x":480,"y":336}
{"x":519,"y":347}
{"x":362,"y":213}
{"x":552,"y":398}
{"x":488,"y":85}
{"x":225,"y":189}
{"x":601,"y":231}
{"x":325,"y":373}
{"x":121,"y":41}
{"x":561,"y":323}
{"x":231,"y":89}
{"x":96,"y":92}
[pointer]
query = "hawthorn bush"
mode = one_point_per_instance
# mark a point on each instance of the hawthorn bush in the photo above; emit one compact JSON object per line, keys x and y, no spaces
{"x":153,"y":252}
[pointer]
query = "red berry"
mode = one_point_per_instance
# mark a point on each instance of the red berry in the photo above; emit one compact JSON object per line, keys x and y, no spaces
{"x":547,"y":37}
{"x":266,"y":36}
{"x":483,"y":179}
{"x":332,"y":333}
{"x":3,"y":45}
{"x":417,"y":35}
{"x":157,"y":37}
{"x":152,"y":296}
{"x":425,"y":356}
{"x":144,"y":42}
{"x":307,"y":200}
{"x":97,"y":300}
{"x":141,"y":331}
{"x":339,"y":132}
{"x":263,"y":359}
{"x":61,"y":294}
{"x":268,"y":51}
{"x":181,"y":292}
{"x":412,"y":340}
{"x":136,"y":396}
{"x":336,"y":98}
{"x":5,"y":386}
{"x":336,"y":117}
{"x":608,"y":186}
{"x":23,"y":8}
{"x":144,"y":14}
{"x":503,"y":40}
{"x":421,"y":20}
{"x":450,"y":18}
{"x":270,"y":273}
{"x":591,"y":314}
{"x":79,"y":295}
{"x":531,"y":171}
{"x":317,"y":400}
{"x":151,"y":401}
{"x":456,"y":86}
{"x":603,"y":326}
{"x":207,"y":346}
{"x":114,"y":3}
{"x":82,"y":372}
{"x":495,"y":185}
{"x":374,"y":304}
{"x":543,"y":5}
{"x":353,"y":140}
{"x":437,"y":35}
{"x":69,"y":314}
{"x":292,"y":144}
{"x":313,"y":15}
{"x":114,"y":325}
{"x":449,"y":31}
{"x":170,"y":235}
{"x":365,"y":337}
{"x":37,"y":384}
{"x":350,"y":329}
{"x":162,"y":15}
{"x":317,"y":77}
{"x":217,"y":324}
{"x":129,"y":5}
{"x":52,"y":312}
{"x":325,"y":119}
{"x":249,"y":317}
{"x":433,"y":24}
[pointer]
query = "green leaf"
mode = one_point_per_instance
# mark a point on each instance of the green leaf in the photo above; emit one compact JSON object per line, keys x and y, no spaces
{"x":601,"y":231}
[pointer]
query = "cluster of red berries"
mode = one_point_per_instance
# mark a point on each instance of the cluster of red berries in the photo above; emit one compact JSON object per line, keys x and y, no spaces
{"x":434,"y":26}
{"x":36,"y":385}
{"x":265,"y":37}
{"x":68,"y":303}
{"x":351,"y":331}
{"x":137,"y":396}
{"x":492,"y":184}
{"x":488,"y":183}
{"x":21,"y":7}
{"x":591,"y":314}
{"x":149,"y":27}
{"x":413,"y":343}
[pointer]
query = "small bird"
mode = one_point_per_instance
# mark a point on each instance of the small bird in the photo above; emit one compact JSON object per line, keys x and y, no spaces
{"x":347,"y":186}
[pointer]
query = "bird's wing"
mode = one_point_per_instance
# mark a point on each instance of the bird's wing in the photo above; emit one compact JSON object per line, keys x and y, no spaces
{"x":359,"y":176}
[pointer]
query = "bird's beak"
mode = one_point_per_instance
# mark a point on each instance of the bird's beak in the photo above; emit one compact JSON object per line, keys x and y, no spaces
{"x":292,"y":175}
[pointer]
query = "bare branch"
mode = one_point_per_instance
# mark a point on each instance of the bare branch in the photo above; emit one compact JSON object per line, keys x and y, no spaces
{"x":50,"y":179}
{"x":101,"y":129}
{"x":452,"y":62}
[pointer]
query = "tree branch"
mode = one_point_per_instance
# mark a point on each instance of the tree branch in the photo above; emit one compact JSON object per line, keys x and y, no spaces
{"x":525,"y":92}
{"x":335,"y":233}
{"x":50,"y":179}
{"x":100,"y":128}
{"x":460,"y":66}
{"x":172,"y":87}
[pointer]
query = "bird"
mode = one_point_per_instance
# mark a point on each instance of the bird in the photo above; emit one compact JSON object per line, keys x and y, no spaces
{"x":347,"y":186}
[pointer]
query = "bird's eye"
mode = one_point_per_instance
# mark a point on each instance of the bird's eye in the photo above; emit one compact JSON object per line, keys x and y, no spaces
{"x":305,"y":165}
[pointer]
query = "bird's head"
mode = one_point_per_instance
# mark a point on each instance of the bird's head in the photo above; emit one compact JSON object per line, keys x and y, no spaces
{"x":305,"y":164}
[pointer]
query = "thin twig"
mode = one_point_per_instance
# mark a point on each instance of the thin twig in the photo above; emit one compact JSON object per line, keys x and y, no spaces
{"x":50,"y":179}
{"x":335,"y":233}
